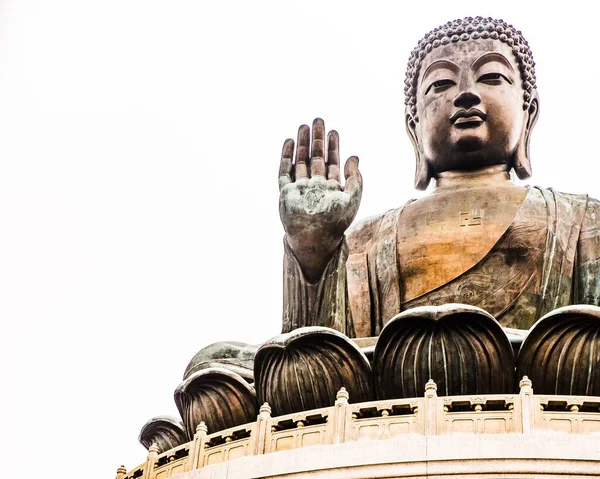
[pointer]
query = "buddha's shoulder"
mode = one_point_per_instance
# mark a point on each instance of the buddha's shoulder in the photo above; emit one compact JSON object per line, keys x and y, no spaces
{"x":575,"y":207}
{"x":581,"y":200}
{"x":363,"y":231}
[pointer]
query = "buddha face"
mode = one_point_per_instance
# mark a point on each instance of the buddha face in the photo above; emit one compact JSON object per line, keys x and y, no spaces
{"x":470,"y":106}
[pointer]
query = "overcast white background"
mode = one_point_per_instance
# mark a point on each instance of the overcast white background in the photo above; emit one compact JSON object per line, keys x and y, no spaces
{"x":139,"y":148}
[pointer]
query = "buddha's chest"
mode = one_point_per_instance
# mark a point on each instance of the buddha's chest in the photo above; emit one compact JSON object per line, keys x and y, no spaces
{"x":443,"y":235}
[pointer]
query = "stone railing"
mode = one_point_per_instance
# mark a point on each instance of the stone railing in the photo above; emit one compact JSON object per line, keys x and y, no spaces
{"x":344,"y":422}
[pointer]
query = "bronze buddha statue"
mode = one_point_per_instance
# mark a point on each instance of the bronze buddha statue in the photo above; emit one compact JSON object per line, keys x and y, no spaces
{"x":508,"y":255}
{"x":477,"y":238}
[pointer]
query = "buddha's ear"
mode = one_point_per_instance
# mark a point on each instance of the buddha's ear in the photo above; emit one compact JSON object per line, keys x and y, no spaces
{"x":422,"y":172}
{"x":522,"y":159}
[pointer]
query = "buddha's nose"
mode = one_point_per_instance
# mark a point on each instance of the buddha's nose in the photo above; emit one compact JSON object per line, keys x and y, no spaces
{"x":467,"y":96}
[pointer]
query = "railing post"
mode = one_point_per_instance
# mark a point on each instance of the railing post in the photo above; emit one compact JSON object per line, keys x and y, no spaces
{"x":263,"y":429}
{"x":431,"y":405}
{"x":121,"y":472}
{"x":151,"y":461}
{"x":340,"y":412}
{"x":527,"y":407}
{"x":197,"y":447}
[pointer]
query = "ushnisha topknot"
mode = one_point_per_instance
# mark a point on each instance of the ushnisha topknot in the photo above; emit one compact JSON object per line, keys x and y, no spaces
{"x":470,"y":28}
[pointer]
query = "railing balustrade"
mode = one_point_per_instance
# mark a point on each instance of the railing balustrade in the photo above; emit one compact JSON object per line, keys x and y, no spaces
{"x":345,"y":422}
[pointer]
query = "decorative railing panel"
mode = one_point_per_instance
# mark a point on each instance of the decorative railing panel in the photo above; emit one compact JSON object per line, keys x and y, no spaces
{"x":383,"y":419}
{"x":568,"y":414}
{"x":226,"y":445}
{"x":490,"y":414}
{"x":226,"y":452}
{"x":297,"y":430}
{"x":165,"y":465}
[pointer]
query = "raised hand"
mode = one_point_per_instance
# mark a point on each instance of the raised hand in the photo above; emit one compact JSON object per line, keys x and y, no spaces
{"x":314,"y":207}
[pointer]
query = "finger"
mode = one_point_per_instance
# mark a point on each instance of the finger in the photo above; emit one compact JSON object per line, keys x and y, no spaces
{"x":286,"y":166}
{"x":353,"y":177}
{"x":351,"y":167}
{"x":333,"y":156}
{"x":288,"y":149}
{"x":318,"y":139}
{"x":317,"y":167}
{"x":300,"y":168}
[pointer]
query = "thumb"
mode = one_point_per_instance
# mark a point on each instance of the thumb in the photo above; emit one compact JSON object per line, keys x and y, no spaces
{"x":353,"y":177}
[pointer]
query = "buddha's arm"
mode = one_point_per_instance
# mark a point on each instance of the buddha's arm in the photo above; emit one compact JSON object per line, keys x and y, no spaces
{"x":342,"y":287}
{"x":320,"y":303}
{"x":587,"y":280}
{"x":315,"y":211}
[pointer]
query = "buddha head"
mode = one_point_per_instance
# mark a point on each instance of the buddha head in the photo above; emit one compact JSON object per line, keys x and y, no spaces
{"x":471,"y":99}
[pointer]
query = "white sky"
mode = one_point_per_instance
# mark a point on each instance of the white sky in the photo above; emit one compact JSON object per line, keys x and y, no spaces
{"x":139,"y":149}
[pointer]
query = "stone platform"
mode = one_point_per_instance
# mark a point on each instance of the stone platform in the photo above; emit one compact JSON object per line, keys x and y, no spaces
{"x":449,"y":457}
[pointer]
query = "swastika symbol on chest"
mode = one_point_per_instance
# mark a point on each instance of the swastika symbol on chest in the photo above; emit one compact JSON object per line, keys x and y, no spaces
{"x":471,"y":218}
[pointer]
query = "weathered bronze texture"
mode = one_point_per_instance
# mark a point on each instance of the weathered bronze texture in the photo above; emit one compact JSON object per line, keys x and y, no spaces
{"x":305,"y":369}
{"x":478,"y":239}
{"x":462,"y":348}
{"x":165,"y":431}
{"x":217,"y":396}
{"x":561,"y":353}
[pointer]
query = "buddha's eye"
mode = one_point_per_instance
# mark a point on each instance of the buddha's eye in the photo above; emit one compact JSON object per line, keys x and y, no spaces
{"x":493,"y":79}
{"x":440,"y":85}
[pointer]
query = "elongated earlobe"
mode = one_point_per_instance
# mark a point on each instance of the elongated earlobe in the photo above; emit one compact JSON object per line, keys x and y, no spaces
{"x":422,"y":172}
{"x":522,"y":159}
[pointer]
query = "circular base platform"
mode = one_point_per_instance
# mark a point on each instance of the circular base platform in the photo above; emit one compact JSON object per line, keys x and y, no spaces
{"x":487,"y":456}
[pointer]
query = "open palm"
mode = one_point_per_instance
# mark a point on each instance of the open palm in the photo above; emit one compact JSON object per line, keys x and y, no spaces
{"x":314,"y":207}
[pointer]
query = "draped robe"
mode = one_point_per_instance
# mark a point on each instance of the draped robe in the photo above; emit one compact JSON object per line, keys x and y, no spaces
{"x":548,"y":257}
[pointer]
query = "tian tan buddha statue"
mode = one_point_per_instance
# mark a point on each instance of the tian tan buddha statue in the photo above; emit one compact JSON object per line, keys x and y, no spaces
{"x":438,"y":284}
{"x":477,"y":238}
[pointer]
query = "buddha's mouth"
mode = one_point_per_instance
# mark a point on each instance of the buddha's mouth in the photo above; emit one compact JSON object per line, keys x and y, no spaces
{"x":468,"y":119}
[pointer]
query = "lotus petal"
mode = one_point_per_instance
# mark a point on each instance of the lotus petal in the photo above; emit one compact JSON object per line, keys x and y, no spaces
{"x":217,"y":396}
{"x":166,"y":431}
{"x":304,"y":369}
{"x":232,"y":355}
{"x":561,"y":354}
{"x":462,"y":348}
